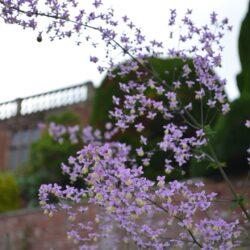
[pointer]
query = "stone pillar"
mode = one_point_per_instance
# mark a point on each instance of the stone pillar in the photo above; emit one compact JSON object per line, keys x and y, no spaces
{"x":19,"y":106}
{"x":90,"y":91}
{"x":4,"y":148}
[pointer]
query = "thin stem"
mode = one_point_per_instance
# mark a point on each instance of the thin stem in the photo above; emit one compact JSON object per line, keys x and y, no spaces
{"x":192,"y":118}
{"x":179,"y":219}
{"x":229,"y":183}
{"x":202,"y":119}
{"x":213,"y":117}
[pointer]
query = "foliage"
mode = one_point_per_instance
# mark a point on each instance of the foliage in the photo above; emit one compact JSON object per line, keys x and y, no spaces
{"x":46,"y":156}
{"x":9,"y":193}
{"x":232,"y":137}
{"x":103,"y":103}
{"x":243,"y":78}
{"x":66,"y":117}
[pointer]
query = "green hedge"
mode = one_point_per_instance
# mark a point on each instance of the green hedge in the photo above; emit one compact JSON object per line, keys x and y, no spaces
{"x":243,"y":78}
{"x":9,"y":193}
{"x":109,"y":87}
{"x":233,"y":138}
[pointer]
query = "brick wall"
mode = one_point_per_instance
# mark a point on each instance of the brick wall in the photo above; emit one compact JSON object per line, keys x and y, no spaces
{"x":4,"y":148}
{"x":30,"y":229}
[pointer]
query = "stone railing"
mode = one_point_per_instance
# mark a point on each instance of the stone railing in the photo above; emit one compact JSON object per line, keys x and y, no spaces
{"x":46,"y":101}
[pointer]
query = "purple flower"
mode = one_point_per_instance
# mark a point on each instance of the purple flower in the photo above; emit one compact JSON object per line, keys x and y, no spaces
{"x":97,"y":3}
{"x":225,"y":108}
{"x":115,"y":181}
{"x":93,"y":59}
{"x":139,"y":127}
{"x":247,"y":124}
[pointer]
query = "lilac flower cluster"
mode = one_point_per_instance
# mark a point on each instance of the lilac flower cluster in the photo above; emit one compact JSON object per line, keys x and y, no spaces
{"x":86,"y":135}
{"x":57,"y":131}
{"x":133,"y":201}
{"x":181,"y":146}
{"x":115,"y":180}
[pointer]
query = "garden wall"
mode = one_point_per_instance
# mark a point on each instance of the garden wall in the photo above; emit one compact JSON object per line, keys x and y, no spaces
{"x":30,"y":229}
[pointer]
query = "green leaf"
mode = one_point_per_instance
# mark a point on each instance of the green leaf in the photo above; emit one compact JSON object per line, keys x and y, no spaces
{"x":216,"y":165}
{"x":239,"y":200}
{"x":209,"y":131}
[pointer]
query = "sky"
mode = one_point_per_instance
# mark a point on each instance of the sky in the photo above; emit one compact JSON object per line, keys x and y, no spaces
{"x":28,"y":67}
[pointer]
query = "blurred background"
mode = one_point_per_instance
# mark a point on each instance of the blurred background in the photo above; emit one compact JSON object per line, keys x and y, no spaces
{"x":43,"y":88}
